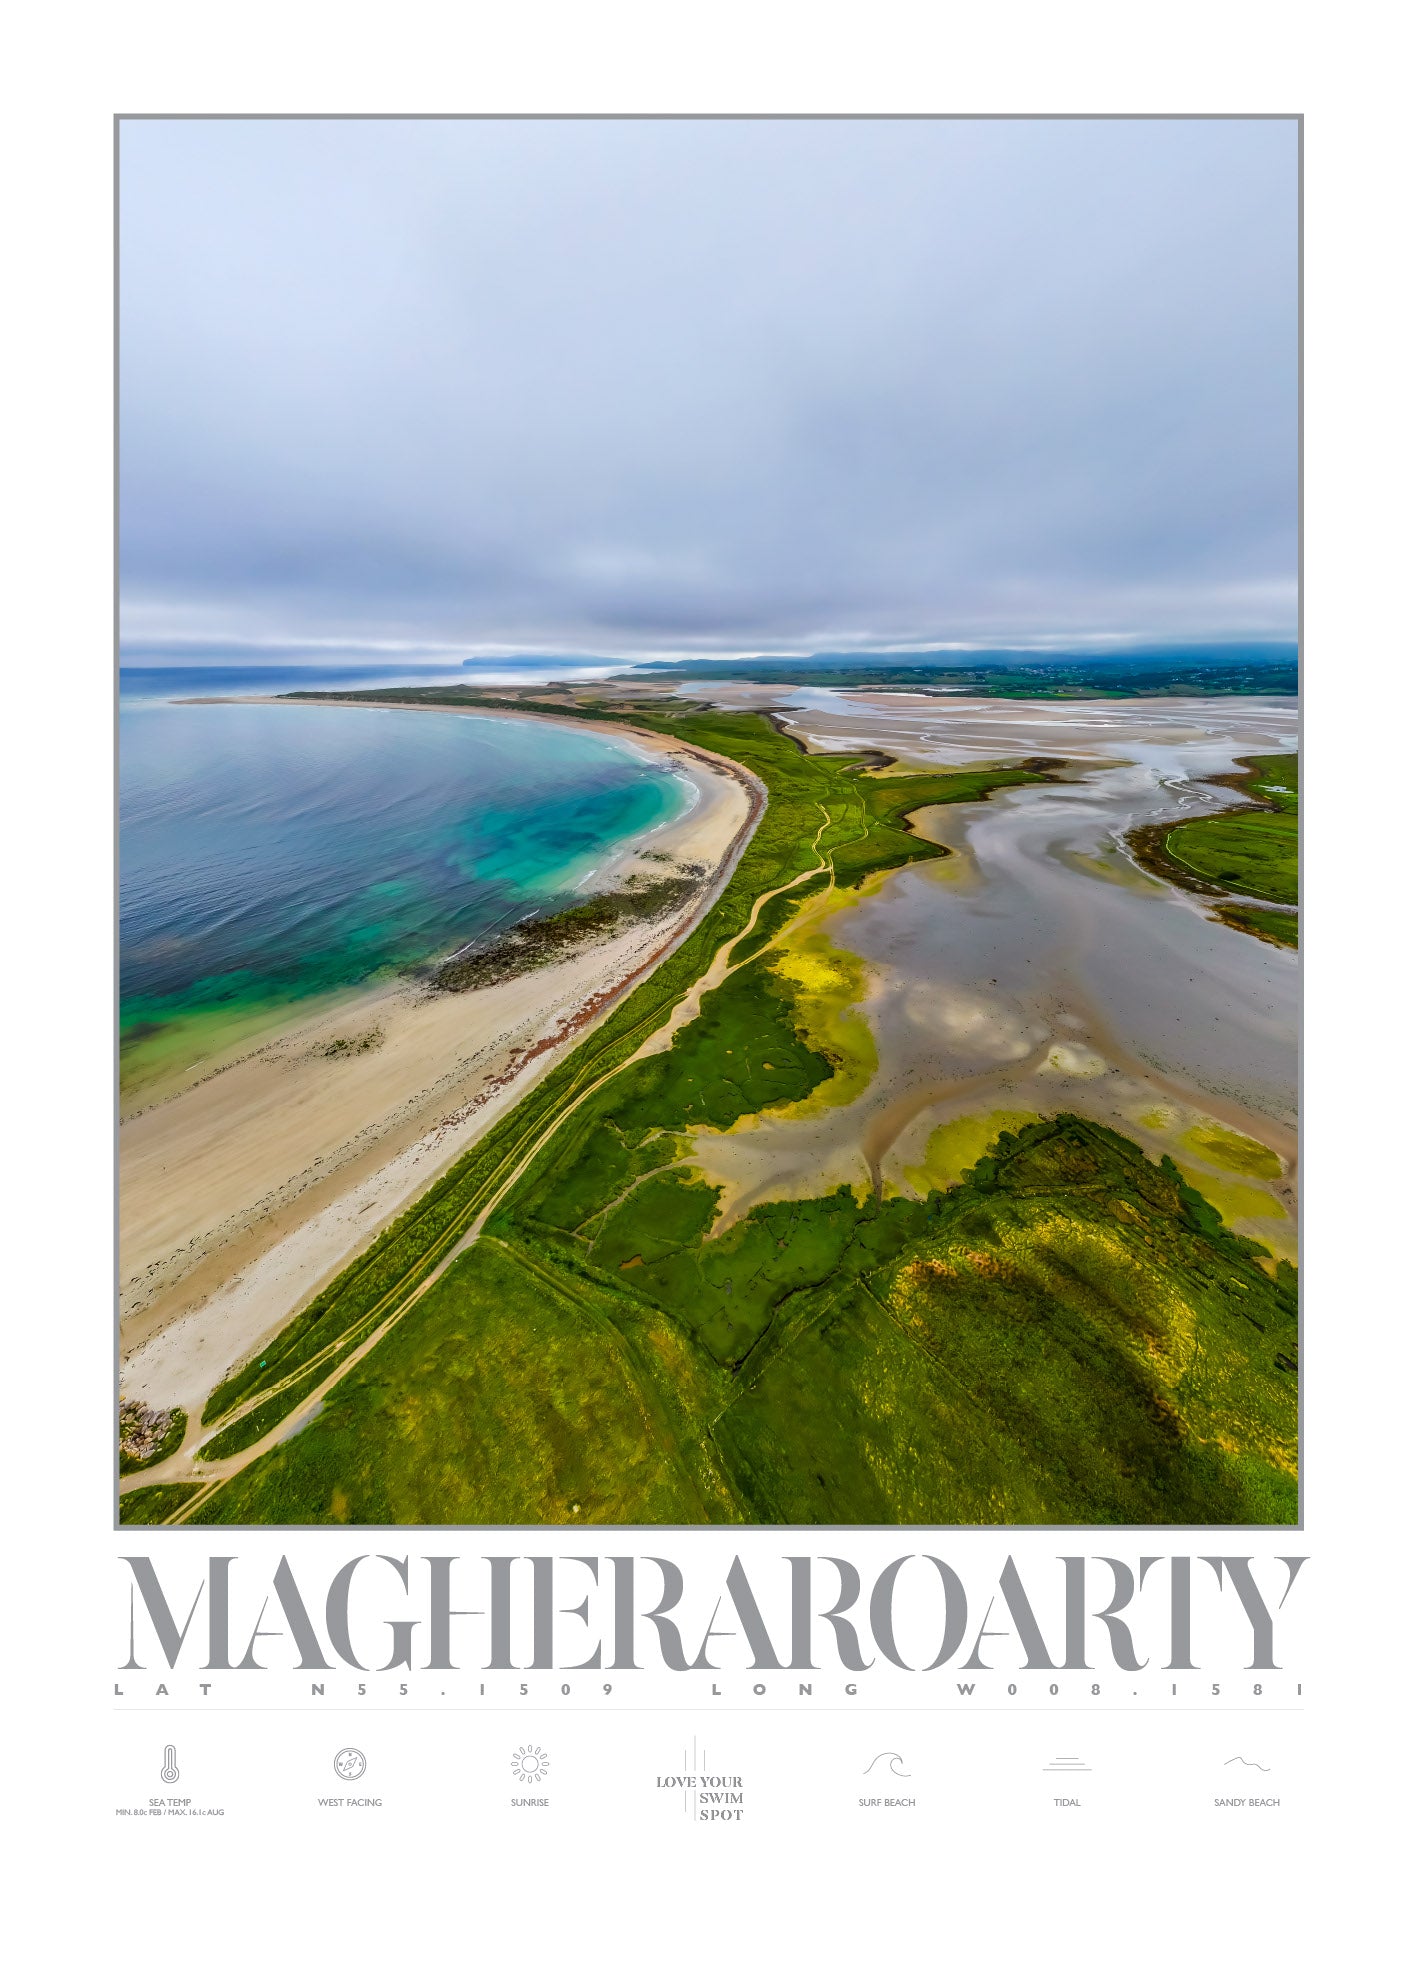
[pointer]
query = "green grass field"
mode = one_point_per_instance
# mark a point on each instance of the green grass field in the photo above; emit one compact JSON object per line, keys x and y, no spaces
{"x":1070,"y":1336}
{"x":1249,"y":853}
{"x":147,"y":1506}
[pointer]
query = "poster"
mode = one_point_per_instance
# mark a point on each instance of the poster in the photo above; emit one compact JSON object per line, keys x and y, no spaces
{"x":706,"y":1043}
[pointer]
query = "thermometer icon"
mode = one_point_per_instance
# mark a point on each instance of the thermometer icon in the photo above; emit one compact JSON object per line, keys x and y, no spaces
{"x":170,"y":1772}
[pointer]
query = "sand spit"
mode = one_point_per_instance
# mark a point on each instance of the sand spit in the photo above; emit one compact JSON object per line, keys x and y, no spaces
{"x":243,"y":1194}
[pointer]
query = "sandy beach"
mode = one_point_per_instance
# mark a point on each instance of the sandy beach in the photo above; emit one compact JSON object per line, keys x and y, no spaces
{"x":244,"y":1193}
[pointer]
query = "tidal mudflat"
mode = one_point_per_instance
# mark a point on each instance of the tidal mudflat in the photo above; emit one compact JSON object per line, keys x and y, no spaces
{"x":1041,"y":969}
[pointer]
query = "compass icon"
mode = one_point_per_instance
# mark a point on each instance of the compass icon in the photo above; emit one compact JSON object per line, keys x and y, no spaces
{"x":349,"y":1764}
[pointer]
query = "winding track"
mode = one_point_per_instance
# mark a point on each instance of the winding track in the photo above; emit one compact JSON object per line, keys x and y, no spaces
{"x":184,"y":1470}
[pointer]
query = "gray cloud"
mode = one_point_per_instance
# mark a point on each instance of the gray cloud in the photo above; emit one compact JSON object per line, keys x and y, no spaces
{"x":655,"y":387}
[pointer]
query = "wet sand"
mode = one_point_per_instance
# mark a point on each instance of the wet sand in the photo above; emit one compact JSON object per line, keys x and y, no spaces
{"x":241,"y":1195}
{"x":1040,"y":969}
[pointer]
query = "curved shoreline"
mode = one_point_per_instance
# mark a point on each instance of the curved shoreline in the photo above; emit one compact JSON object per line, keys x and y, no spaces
{"x":1150,"y":847}
{"x":445,"y":1071}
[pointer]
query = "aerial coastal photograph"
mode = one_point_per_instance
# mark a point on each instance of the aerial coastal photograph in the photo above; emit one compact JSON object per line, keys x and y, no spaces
{"x":708,"y":725}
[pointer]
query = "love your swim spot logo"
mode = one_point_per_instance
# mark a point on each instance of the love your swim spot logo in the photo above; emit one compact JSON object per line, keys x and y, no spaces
{"x":709,"y":1797}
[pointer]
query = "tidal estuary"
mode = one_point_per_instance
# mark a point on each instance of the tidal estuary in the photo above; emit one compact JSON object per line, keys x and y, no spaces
{"x":1039,"y":969}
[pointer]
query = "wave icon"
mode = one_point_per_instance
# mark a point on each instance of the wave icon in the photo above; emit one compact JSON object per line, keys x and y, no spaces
{"x":891,"y":1757}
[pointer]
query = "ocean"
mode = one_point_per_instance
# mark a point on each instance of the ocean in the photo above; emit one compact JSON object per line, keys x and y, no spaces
{"x":272,"y":857}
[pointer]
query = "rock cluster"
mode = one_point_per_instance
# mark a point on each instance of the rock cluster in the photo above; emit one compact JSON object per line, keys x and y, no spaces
{"x":141,"y":1428}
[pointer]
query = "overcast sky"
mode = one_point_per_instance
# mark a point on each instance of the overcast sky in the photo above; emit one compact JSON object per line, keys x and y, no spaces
{"x":697,"y":388}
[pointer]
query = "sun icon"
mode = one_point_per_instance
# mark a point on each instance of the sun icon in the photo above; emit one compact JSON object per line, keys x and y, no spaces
{"x":530,"y":1764}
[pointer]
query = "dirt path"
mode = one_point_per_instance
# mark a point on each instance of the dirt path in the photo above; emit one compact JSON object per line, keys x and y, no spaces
{"x":184,"y":1467}
{"x":688,"y":1007}
{"x":246,"y":1192}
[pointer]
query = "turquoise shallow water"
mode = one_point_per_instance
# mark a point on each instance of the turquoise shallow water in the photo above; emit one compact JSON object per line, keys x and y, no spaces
{"x":273,"y":855}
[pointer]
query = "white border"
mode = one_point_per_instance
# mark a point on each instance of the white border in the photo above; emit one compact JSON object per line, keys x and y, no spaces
{"x":1170,"y":1903}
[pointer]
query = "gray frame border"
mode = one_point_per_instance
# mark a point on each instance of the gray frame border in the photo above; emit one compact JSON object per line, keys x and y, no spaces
{"x":675,"y":1528}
